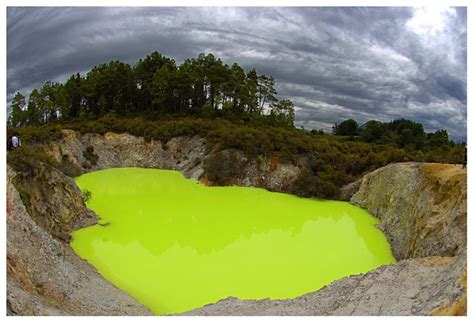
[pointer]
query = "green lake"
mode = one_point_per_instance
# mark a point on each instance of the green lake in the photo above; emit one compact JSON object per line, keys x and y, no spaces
{"x":175,"y":244}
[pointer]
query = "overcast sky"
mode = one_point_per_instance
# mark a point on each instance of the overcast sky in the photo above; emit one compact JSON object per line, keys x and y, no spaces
{"x":333,"y":63}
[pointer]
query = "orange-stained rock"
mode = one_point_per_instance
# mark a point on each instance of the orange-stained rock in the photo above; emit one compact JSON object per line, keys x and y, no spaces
{"x":422,"y":207}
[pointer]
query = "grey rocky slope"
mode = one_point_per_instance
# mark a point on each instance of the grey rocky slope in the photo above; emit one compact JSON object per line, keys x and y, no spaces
{"x":45,"y":276}
{"x":184,"y":154}
{"x":425,"y":286}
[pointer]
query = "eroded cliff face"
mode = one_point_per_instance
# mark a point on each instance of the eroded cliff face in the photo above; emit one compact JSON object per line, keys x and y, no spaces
{"x":123,"y":150}
{"x":53,"y":200}
{"x":422,"y":208}
{"x":184,"y":154}
{"x":44,"y":275}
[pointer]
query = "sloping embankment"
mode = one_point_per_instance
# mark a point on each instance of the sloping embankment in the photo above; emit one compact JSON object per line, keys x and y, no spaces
{"x":422,"y":209}
{"x":44,"y":275}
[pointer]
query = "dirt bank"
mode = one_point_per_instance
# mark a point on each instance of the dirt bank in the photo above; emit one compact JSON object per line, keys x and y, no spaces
{"x":46,"y":277}
{"x":422,"y":208}
{"x":425,"y":286}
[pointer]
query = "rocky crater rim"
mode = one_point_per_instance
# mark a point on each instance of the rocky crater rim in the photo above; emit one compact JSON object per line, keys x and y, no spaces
{"x":421,"y":207}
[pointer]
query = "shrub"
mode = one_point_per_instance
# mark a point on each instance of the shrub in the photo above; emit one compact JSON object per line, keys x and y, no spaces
{"x":86,"y":165}
{"x":332,"y":160}
{"x":39,"y":134}
{"x":27,"y":160}
{"x":90,"y":156}
{"x":309,"y":185}
{"x":86,"y":195}
{"x":224,"y":166}
{"x":68,"y":167}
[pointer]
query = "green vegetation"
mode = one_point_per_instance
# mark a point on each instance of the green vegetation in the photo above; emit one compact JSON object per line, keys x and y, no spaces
{"x":68,"y":167}
{"x":402,"y":133}
{"x":332,"y":161}
{"x":86,"y":195}
{"x":90,"y":156}
{"x":222,"y":167}
{"x":232,"y":109}
{"x":202,"y":86}
{"x":310,"y":185}
{"x":26,"y":160}
{"x":346,"y":128}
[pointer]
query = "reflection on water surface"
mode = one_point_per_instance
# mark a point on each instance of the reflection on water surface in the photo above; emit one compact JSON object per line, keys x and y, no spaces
{"x":176,"y":245}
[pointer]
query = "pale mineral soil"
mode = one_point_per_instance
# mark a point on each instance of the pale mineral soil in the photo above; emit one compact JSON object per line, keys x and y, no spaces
{"x":422,"y":208}
{"x":424,"y":286}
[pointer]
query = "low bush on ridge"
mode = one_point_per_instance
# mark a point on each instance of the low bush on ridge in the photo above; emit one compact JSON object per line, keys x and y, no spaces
{"x":333,"y":161}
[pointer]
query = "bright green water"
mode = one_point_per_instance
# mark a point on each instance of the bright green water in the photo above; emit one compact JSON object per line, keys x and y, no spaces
{"x":176,"y":245}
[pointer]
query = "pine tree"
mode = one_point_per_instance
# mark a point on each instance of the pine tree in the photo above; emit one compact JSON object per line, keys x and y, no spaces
{"x":17,"y":116}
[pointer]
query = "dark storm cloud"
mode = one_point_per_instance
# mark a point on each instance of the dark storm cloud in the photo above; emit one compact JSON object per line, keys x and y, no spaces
{"x":334,"y":63}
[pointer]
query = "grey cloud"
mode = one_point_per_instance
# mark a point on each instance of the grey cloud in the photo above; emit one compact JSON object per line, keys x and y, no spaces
{"x":334,"y":63}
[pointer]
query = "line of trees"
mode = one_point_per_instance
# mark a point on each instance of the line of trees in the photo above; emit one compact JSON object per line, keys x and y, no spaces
{"x":402,"y":133}
{"x":202,"y":85}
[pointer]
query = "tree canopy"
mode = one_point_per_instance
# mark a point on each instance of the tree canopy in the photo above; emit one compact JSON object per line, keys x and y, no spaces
{"x":401,"y":132}
{"x":346,"y":128}
{"x":201,"y":85}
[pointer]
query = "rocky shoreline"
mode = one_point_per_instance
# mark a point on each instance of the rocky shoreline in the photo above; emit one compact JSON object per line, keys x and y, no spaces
{"x":422,"y":208}
{"x":423,"y":212}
